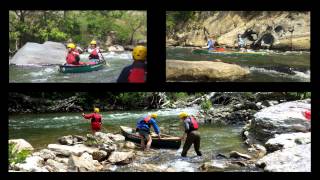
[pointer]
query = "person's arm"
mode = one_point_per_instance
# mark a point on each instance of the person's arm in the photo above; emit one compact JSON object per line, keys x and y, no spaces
{"x":90,"y":50}
{"x":123,"y":77}
{"x":87,"y":116}
{"x":155,"y":127}
{"x":186,"y":129}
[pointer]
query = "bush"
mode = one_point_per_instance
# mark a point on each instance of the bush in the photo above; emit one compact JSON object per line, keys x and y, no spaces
{"x":17,"y":157}
{"x":206,"y":105}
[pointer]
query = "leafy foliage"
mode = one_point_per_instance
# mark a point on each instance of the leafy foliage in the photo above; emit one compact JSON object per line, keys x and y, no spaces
{"x":15,"y":156}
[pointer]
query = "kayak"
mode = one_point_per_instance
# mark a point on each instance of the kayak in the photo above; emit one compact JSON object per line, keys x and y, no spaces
{"x":86,"y":67}
{"x":219,"y":52}
{"x":166,"y":141}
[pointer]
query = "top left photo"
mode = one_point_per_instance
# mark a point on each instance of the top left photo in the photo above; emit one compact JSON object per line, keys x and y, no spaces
{"x":77,"y":46}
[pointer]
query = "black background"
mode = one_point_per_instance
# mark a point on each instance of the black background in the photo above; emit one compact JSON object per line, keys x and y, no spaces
{"x":156,"y":67}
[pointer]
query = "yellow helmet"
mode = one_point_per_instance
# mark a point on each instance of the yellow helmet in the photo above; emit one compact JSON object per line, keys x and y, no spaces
{"x":154,"y":115}
{"x":139,"y":53}
{"x":71,"y":45}
{"x":183,"y":115}
{"x":93,"y":42}
{"x":96,"y":110}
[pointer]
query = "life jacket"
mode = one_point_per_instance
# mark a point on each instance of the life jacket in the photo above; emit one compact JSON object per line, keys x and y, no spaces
{"x":94,"y":54}
{"x":144,"y":124}
{"x":137,"y":73}
{"x":73,"y":57}
{"x":307,"y":114}
{"x":193,"y":123}
{"x":96,"y":118}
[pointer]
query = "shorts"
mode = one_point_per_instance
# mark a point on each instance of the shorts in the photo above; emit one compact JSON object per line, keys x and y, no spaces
{"x":144,"y":134}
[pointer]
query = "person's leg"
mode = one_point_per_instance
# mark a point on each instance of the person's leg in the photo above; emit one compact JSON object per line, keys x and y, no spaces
{"x":187,"y":145}
{"x":149,"y":142}
{"x":142,"y":140}
{"x":197,"y":139}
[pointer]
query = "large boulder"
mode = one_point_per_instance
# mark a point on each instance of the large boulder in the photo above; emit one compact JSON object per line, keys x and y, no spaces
{"x":103,"y":137}
{"x":66,"y":150}
{"x":99,"y":155}
{"x":116,"y":48}
{"x":179,"y":70}
{"x":115,"y":137}
{"x":84,"y":163}
{"x":281,"y":141}
{"x":121,"y":158}
{"x":34,"y":53}
{"x":21,"y":144}
{"x":31,"y":164}
{"x":282,"y":118}
{"x":294,"y":159}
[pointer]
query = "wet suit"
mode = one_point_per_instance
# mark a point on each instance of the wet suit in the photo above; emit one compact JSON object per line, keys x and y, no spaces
{"x":193,"y":137}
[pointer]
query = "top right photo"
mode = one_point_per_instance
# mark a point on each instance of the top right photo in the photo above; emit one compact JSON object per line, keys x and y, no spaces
{"x":238,"y":46}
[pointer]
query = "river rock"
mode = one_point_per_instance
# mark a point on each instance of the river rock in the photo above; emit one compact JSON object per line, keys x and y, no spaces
{"x":179,"y":70}
{"x":84,"y":163}
{"x":31,"y":164}
{"x":66,"y":150}
{"x":45,"y":154}
{"x":115,"y":137}
{"x":130,"y":145}
{"x":103,"y":137}
{"x":34,"y":53}
{"x":108,"y":147}
{"x":235,"y":154}
{"x":152,"y":168}
{"x":21,"y":144}
{"x":282,"y":118}
{"x":54,"y":166}
{"x":294,"y":159}
{"x":99,"y":155}
{"x":121,"y":158}
{"x":116,"y":48}
{"x":71,"y":139}
{"x":281,"y":141}
{"x":258,"y":150}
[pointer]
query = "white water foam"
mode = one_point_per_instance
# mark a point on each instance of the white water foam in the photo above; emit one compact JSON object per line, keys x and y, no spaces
{"x":298,"y":75}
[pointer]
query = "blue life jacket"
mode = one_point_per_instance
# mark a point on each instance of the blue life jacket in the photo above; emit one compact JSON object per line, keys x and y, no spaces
{"x":145,"y":123}
{"x":211,"y":44}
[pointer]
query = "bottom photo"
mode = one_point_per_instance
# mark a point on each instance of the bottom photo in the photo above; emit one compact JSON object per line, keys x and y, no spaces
{"x":159,"y":132}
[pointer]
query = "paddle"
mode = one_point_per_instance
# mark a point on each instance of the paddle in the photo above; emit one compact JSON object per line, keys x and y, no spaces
{"x":107,"y":63}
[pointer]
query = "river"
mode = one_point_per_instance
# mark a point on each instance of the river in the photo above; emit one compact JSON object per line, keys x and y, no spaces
{"x":43,"y":129}
{"x":272,"y":67}
{"x":50,"y":73}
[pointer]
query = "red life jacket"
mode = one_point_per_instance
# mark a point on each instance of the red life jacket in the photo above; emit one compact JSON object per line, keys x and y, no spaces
{"x":94,"y":54}
{"x":71,"y":57}
{"x":194,"y":124}
{"x":137,"y":75}
{"x":96,"y":118}
{"x":307,"y":114}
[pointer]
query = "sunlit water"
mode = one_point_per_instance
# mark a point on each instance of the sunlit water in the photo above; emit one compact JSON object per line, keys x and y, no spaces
{"x":270,"y":67}
{"x":43,"y":129}
{"x":50,"y":73}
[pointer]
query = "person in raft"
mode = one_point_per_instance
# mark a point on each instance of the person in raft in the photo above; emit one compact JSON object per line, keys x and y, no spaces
{"x":143,"y":127}
{"x":136,"y":72}
{"x":241,"y":43}
{"x":191,"y":135}
{"x":73,"y":56}
{"x":94,"y":51}
{"x":210,"y":43}
{"x":96,"y":120}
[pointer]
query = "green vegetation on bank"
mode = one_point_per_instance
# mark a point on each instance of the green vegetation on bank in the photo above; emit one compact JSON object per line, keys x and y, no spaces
{"x":80,"y":26}
{"x":17,"y":156}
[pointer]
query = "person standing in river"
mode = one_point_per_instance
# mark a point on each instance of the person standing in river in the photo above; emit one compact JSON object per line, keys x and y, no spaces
{"x":210,"y":43}
{"x":143,"y":127}
{"x":191,"y":135}
{"x":96,"y":120}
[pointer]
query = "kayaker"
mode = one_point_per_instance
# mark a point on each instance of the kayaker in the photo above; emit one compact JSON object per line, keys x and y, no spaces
{"x":136,"y":72}
{"x":210,"y":43}
{"x":73,"y":56}
{"x":241,"y":43}
{"x":96,"y":120}
{"x":143,"y":127}
{"x":94,"y":51}
{"x":191,"y":134}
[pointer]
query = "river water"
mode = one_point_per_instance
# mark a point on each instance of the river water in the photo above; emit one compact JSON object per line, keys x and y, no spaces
{"x":43,"y":129}
{"x":271,"y":67}
{"x":50,"y":73}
